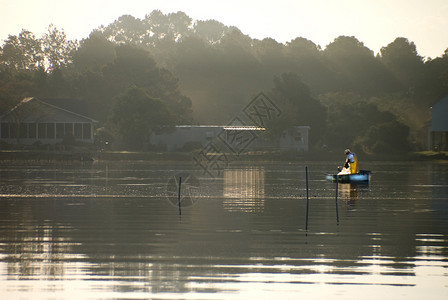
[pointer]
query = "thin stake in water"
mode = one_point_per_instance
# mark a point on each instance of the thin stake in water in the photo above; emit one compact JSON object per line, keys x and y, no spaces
{"x":337,"y":211}
{"x":307,"y":198}
{"x":178,"y":196}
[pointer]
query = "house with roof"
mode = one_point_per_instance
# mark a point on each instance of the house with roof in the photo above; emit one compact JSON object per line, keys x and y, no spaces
{"x":438,"y":135}
{"x":47,"y":121}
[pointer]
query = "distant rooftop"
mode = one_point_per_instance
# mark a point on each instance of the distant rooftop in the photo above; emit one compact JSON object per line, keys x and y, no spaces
{"x":224,"y":127}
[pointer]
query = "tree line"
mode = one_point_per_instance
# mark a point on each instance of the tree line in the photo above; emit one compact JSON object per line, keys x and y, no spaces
{"x":165,"y":69}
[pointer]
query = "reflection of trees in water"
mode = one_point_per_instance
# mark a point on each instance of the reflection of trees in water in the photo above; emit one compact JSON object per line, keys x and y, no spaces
{"x":33,"y":247}
{"x":132,"y":240}
{"x":439,"y":203}
{"x":349,"y":193}
{"x":142,"y":245}
{"x":113,"y":238}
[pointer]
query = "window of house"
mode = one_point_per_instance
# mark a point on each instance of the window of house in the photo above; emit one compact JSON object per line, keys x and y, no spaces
{"x":68,"y":129}
{"x":50,"y":131}
{"x":13,"y":130}
{"x":41,"y":130}
{"x":5,"y":130}
{"x":60,"y":130}
{"x":23,"y":131}
{"x":86,"y":131}
{"x":32,"y":130}
{"x":78,"y":130}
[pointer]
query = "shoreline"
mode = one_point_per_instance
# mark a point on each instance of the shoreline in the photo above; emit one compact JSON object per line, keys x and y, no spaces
{"x":86,"y":155}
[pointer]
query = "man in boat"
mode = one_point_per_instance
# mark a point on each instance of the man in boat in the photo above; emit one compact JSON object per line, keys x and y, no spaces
{"x":351,"y":162}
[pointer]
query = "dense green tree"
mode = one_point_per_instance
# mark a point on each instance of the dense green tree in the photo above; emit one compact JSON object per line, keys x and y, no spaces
{"x":94,"y":53}
{"x":22,"y":52}
{"x":386,"y":138}
{"x":211,"y":31}
{"x":236,"y":50}
{"x":125,"y":30}
{"x":134,"y":66}
{"x":402,"y":59}
{"x":171,"y":27}
{"x":271,"y":55}
{"x":303,"y":48}
{"x":219,"y":77}
{"x":433,"y":84}
{"x":135,"y":115}
{"x":16,"y":85}
{"x":8,"y":90}
{"x":26,"y":52}
{"x":33,"y":66}
{"x":354,"y":122}
{"x":198,"y":67}
{"x":355,"y":68}
{"x":212,"y":70}
{"x":130,"y":66}
{"x":305,"y":58}
{"x":155,"y":30}
{"x":298,"y":106}
{"x":57,"y":49}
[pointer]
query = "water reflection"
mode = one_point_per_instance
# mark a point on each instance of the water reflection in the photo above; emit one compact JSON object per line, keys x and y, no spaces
{"x":349,"y":192}
{"x":243,"y":189}
{"x":33,"y":248}
{"x":114,"y":235}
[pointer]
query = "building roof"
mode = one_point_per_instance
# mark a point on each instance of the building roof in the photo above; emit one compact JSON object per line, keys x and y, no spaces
{"x":31,"y":110}
{"x":77,"y":106}
{"x":223,"y":127}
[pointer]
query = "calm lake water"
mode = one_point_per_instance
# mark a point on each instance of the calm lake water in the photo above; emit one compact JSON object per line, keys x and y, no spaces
{"x":113,"y":230}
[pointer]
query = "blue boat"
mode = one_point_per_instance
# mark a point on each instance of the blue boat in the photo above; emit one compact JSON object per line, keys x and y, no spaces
{"x":362,"y":176}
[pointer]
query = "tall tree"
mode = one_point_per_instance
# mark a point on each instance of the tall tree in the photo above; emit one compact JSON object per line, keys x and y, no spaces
{"x":125,"y":30}
{"x":135,"y":115}
{"x":353,"y":122}
{"x":94,"y":53}
{"x":57,"y":49}
{"x":305,"y":58}
{"x":7,"y":90}
{"x":434,"y":80}
{"x":132,"y":66}
{"x":22,"y":52}
{"x":386,"y":138}
{"x":298,"y":106}
{"x":155,"y":29}
{"x":402,"y":59}
{"x":354,"y":66}
{"x":211,"y":31}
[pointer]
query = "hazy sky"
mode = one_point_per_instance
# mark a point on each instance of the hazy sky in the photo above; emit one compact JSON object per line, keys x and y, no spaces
{"x":376,"y":23}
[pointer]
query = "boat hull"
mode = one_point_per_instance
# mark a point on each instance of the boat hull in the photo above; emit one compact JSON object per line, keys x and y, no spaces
{"x":361,"y":176}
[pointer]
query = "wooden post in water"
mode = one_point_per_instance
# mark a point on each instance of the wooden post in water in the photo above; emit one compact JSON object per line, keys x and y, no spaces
{"x":307,"y":198}
{"x":178,"y":196}
{"x":337,"y":211}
